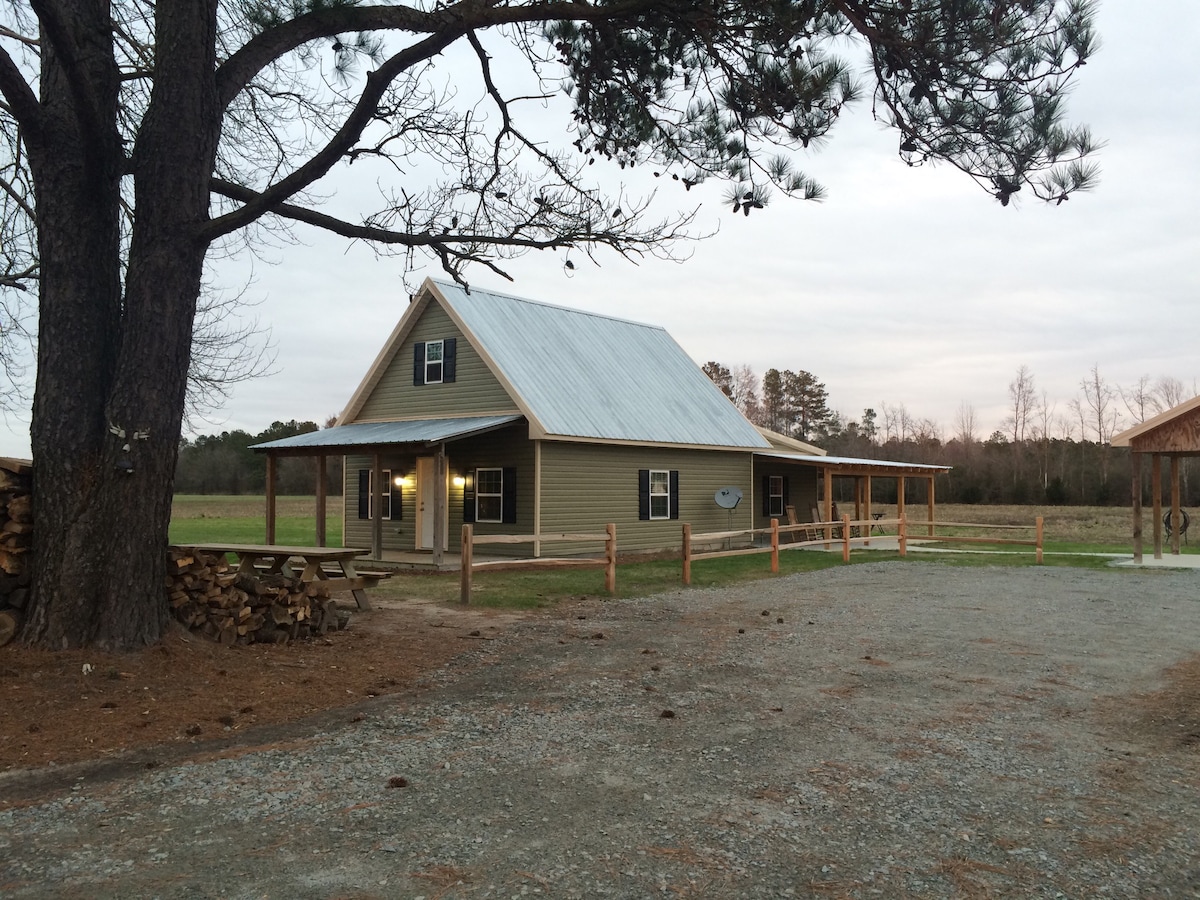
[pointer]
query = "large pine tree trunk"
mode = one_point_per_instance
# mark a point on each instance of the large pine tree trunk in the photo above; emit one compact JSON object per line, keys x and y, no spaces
{"x":112,"y":363}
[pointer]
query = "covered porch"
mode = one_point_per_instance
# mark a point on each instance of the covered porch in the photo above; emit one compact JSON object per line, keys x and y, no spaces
{"x":824,"y":470}
{"x":423,"y":479}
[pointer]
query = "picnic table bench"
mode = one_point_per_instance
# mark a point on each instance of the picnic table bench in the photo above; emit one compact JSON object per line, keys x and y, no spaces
{"x":332,"y":566}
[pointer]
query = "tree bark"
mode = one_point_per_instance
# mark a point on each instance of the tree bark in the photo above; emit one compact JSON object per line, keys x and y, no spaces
{"x":112,"y":366}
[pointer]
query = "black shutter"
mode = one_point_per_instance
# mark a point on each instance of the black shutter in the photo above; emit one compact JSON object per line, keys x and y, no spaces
{"x":364,"y":493}
{"x":508,"y":497}
{"x":643,"y":494}
{"x":419,"y":362}
{"x":766,"y":495}
{"x":397,"y":499}
{"x":785,"y":494}
{"x":469,"y":498}
{"x":449,"y":356}
{"x":674,"y":493}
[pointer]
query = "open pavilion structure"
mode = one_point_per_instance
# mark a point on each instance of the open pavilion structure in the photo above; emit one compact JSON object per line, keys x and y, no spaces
{"x":1172,"y":435}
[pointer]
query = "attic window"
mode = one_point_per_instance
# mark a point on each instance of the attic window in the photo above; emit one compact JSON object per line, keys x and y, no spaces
{"x":434,"y":361}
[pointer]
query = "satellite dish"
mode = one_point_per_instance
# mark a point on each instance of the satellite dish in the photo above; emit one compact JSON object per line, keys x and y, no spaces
{"x":728,"y":497}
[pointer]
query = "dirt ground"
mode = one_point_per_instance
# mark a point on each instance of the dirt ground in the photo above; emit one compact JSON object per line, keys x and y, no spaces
{"x":888,"y":729}
{"x":62,"y":708}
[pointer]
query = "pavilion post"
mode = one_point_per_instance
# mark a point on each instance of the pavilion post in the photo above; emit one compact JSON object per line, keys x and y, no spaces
{"x":900,"y":497}
{"x":931,"y":506}
{"x":270,"y":498}
{"x":321,"y":495}
{"x":1156,"y":501}
{"x":1176,"y":516}
{"x":1136,"y":493}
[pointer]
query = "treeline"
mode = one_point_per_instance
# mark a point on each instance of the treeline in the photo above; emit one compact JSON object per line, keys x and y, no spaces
{"x":224,"y":464}
{"x":1043,"y":452}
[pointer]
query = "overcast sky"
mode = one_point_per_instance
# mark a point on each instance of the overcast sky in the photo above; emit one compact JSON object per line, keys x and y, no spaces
{"x":906,"y":286}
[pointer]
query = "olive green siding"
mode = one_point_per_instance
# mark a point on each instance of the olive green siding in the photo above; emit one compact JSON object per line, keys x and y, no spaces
{"x":509,"y":447}
{"x":801,"y":490}
{"x":585,"y":486}
{"x":475,"y":391}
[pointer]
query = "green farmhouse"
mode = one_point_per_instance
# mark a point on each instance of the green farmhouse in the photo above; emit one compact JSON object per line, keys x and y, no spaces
{"x":525,"y":418}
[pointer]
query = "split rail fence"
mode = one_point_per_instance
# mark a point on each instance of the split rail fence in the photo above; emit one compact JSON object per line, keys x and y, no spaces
{"x":609,"y":561}
{"x":846,"y":531}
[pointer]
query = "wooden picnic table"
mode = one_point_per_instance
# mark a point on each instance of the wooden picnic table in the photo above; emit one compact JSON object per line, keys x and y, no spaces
{"x":273,"y":559}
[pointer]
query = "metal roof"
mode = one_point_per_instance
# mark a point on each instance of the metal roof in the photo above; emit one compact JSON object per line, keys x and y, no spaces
{"x":585,"y":375}
{"x":365,"y":434}
{"x":835,"y":461}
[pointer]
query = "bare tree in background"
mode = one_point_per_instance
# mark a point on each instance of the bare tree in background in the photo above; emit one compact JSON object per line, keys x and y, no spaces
{"x":1139,"y":399}
{"x":966,"y":428}
{"x":1169,"y":392}
{"x":745,"y":392}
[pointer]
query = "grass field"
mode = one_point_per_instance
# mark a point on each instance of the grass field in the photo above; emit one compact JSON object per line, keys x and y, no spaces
{"x":241,"y":519}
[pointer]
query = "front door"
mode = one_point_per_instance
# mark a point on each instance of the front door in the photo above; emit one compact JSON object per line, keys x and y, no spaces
{"x":426,"y":499}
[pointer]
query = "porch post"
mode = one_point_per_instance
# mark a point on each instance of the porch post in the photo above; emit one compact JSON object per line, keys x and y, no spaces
{"x":537,"y":499}
{"x":900,"y":497}
{"x":867,"y":508}
{"x":827,"y":515}
{"x":270,"y":498}
{"x":1137,"y":507}
{"x":377,"y":507}
{"x":321,"y":489}
{"x":441,"y":503}
{"x":1156,"y":501}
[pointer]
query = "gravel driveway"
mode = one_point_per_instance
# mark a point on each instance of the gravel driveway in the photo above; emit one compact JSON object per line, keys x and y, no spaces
{"x":895,"y":730}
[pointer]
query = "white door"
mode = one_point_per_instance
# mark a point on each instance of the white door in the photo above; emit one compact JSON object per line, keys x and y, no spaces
{"x":426,"y":499}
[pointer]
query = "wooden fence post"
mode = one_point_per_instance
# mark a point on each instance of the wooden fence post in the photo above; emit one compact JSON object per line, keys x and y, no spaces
{"x":774,"y":546}
{"x":902,"y":531}
{"x":687,"y":553}
{"x":1039,"y":540}
{"x":610,"y":550}
{"x":464,"y":580}
{"x":846,"y":537}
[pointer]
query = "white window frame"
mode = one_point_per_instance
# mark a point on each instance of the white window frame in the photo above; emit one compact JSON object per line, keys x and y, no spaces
{"x":775,"y":493}
{"x":387,"y":495}
{"x":663,"y":496}
{"x":498,"y":495}
{"x":439,"y":363}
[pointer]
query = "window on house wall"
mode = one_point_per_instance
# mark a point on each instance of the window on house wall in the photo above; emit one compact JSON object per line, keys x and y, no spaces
{"x":776,"y":495}
{"x":489,"y":495}
{"x":392,"y":495}
{"x":435,"y":362}
{"x":658,"y":494}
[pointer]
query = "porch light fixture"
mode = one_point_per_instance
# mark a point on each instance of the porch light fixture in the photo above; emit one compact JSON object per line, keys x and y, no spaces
{"x":402,"y":481}
{"x":458,"y":481}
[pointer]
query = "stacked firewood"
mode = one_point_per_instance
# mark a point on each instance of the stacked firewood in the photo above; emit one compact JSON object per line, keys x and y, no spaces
{"x":211,"y":598}
{"x":16,"y":539}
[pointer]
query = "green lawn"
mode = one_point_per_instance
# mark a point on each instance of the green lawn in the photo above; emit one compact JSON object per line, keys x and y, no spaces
{"x":242,"y":520}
